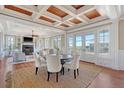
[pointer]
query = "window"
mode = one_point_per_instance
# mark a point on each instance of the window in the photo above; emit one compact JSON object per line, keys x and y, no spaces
{"x":89,"y":43}
{"x":10,"y":42}
{"x":78,"y":41}
{"x":47,"y":43}
{"x":104,"y":42}
{"x":70,"y":42}
{"x":41,"y":43}
{"x":57,"y":42}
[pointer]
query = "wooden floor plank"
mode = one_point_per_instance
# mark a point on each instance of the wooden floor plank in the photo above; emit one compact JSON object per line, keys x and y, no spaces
{"x":2,"y":73}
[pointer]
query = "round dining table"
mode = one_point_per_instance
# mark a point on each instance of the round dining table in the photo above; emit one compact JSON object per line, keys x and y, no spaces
{"x":65,"y":59}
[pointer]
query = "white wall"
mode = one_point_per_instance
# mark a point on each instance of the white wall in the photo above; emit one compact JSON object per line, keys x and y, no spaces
{"x":0,"y":41}
{"x":121,"y":45}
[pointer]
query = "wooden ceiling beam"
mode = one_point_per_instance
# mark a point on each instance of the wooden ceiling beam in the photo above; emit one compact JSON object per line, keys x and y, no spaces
{"x":77,"y":6}
{"x":47,"y":19}
{"x":92,"y":14}
{"x":57,"y":11}
{"x":17,"y":9}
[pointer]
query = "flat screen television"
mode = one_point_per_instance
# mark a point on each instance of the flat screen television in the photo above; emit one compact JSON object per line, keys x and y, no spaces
{"x":28,"y":39}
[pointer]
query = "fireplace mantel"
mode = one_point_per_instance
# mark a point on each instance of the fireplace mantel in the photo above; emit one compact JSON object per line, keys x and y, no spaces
{"x":27,"y":43}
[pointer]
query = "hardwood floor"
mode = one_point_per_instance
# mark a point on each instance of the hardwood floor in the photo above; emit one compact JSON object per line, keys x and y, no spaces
{"x":2,"y":73}
{"x":107,"y":78}
{"x":22,"y":65}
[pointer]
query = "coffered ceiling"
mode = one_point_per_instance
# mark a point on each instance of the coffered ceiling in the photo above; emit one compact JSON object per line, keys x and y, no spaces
{"x":64,"y":17}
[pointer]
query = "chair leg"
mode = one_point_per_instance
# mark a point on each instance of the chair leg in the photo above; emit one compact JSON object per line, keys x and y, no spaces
{"x":68,"y":69}
{"x":48,"y":76}
{"x":57,"y":77}
{"x":63,"y":70}
{"x":36,"y":70}
{"x":75,"y":74}
{"x":77,"y":71}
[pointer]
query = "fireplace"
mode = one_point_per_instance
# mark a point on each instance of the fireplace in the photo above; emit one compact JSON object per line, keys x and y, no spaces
{"x":27,"y":49}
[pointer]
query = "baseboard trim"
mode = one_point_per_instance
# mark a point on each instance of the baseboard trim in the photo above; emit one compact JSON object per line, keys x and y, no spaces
{"x":21,"y":62}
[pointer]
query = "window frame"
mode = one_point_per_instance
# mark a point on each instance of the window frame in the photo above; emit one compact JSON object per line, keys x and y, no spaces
{"x":94,"y":40}
{"x":106,"y":30}
{"x":79,"y":47}
{"x":57,"y":44}
{"x":70,"y":49}
{"x":72,"y":42}
{"x":8,"y":42}
{"x":46,"y":43}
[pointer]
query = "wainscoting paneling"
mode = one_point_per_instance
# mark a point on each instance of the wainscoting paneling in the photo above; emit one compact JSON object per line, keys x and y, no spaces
{"x":89,"y":58}
{"x":106,"y":62}
{"x":121,"y":59}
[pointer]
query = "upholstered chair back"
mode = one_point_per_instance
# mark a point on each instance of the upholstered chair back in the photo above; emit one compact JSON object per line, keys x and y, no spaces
{"x":75,"y":62}
{"x":53,"y":63}
{"x":39,"y":60}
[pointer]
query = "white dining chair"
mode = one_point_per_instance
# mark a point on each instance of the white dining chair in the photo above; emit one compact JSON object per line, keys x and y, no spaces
{"x":39,"y":62}
{"x":74,"y":64}
{"x":42,"y":53}
{"x":53,"y":65}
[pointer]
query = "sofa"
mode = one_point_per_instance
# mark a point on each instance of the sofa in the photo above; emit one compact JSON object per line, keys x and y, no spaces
{"x":17,"y":57}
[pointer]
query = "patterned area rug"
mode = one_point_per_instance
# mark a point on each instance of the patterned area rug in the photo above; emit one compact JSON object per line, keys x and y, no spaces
{"x":26,"y":78}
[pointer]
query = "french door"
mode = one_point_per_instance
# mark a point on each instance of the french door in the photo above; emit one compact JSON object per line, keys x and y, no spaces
{"x":88,"y":47}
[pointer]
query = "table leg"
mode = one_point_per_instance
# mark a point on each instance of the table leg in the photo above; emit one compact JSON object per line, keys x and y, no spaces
{"x":61,"y":70}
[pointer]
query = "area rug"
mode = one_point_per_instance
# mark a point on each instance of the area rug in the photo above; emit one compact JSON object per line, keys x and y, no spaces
{"x":26,"y":78}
